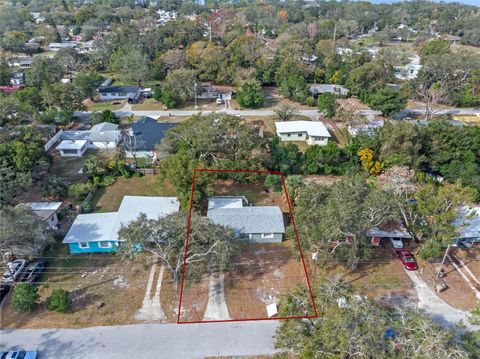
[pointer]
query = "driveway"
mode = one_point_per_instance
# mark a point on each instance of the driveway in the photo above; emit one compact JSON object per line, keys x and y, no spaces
{"x":441,"y":312}
{"x":147,"y":340}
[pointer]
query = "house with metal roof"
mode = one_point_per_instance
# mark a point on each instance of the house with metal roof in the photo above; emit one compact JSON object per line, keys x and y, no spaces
{"x":260,"y":224}
{"x":98,"y":232}
{"x":144,"y":135}
{"x":467,"y":224}
{"x":129,"y":93}
{"x":46,"y":211}
{"x":104,"y":135}
{"x":55,"y":46}
{"x":387,"y":229}
{"x":337,"y":90}
{"x":313,"y":132}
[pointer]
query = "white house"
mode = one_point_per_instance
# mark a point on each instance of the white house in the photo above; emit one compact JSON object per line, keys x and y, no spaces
{"x":55,"y":46}
{"x":409,"y":71}
{"x":313,"y":132}
{"x":45,"y":210}
{"x":108,"y":93}
{"x":467,"y":224}
{"x":337,"y":90}
{"x":103,"y":136}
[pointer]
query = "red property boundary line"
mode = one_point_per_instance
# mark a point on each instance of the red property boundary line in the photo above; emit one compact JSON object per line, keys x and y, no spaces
{"x":296,"y":236}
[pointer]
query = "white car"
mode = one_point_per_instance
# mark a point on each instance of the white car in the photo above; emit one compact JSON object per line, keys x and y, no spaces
{"x":396,"y":243}
{"x":13,"y":270}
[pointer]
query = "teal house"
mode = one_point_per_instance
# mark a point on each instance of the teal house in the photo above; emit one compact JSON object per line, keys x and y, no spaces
{"x":98,"y":232}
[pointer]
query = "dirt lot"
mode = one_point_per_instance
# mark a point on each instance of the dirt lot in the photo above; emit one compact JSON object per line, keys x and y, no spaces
{"x":98,"y":296}
{"x":258,"y":276}
{"x":459,"y":294}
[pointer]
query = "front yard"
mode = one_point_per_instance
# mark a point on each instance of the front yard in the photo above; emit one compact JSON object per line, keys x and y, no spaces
{"x":104,"y":291}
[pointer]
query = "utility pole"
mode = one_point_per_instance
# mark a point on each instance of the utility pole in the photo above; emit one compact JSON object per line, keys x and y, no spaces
{"x":334,"y":36}
{"x":195,"y":90}
{"x":443,"y":261}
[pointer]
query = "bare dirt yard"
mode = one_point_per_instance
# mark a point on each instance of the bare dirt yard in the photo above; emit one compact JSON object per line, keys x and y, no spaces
{"x":460,"y":293}
{"x":104,"y":291}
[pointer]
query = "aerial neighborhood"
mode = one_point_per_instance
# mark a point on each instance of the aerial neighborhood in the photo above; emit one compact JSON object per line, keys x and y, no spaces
{"x":274,"y":179}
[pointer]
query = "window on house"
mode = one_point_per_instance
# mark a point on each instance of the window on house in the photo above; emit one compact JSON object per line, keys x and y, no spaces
{"x":83,"y":245}
{"x":300,"y":135}
{"x":104,"y":244}
{"x":288,"y":135}
{"x":267,"y":235}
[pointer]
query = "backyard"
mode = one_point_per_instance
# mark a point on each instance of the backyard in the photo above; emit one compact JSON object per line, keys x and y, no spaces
{"x":108,"y":199}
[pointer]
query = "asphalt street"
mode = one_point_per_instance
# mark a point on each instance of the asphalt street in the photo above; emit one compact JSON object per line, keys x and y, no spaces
{"x":147,"y":340}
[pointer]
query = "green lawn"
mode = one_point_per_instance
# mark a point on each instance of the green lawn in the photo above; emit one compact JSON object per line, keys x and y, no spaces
{"x":108,"y":199}
{"x":101,"y":106}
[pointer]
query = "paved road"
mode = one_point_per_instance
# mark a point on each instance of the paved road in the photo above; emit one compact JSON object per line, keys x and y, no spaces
{"x":441,"y":312}
{"x":310,"y":113}
{"x":147,"y":340}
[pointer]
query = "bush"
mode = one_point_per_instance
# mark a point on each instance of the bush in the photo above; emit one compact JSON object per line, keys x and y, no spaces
{"x":59,"y":300}
{"x":80,"y":190}
{"x":88,"y":207}
{"x":25,"y":296}
{"x":54,"y":187}
{"x":310,"y":101}
{"x":274,"y":182}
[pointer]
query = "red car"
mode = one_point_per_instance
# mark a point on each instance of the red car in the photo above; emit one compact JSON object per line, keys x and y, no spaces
{"x":407,"y":258}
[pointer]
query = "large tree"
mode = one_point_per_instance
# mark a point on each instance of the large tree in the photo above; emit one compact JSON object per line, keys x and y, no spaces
{"x":181,"y":82}
{"x":334,"y":220}
{"x":43,"y":71}
{"x":22,"y":232}
{"x":210,"y":246}
{"x":359,"y":328}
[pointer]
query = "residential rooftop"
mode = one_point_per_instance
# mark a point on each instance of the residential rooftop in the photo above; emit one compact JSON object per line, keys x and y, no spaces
{"x":312,"y":128}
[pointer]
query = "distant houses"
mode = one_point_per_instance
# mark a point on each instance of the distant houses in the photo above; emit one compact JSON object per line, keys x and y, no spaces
{"x":260,"y":224}
{"x":144,"y":135}
{"x":467,"y":224}
{"x":313,"y":132}
{"x":98,"y":232}
{"x":101,"y":136}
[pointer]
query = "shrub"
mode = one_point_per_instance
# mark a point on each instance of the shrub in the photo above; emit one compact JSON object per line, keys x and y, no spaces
{"x":25,"y":296}
{"x":54,"y":187}
{"x":59,"y":300}
{"x":80,"y":190}
{"x":274,"y":182}
{"x":310,"y":101}
{"x":87,"y":207}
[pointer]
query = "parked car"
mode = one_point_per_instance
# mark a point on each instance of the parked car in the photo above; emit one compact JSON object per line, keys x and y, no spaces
{"x":4,"y":289}
{"x":33,"y":271}
{"x":21,"y":354}
{"x":407,"y":258}
{"x":396,"y":243}
{"x":13,"y":270}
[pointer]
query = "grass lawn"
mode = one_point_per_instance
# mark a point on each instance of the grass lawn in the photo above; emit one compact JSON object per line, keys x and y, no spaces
{"x":101,"y":106}
{"x":108,"y":199}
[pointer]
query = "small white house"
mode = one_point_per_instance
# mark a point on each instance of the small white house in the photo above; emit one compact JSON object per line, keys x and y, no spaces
{"x":313,"y":132}
{"x":47,"y":211}
{"x":337,"y":90}
{"x":55,"y":46}
{"x":108,"y":93}
{"x":72,"y":148}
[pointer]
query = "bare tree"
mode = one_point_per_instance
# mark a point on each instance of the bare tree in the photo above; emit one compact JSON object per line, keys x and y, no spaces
{"x":131,"y":142}
{"x":286,"y":112}
{"x":429,"y":98}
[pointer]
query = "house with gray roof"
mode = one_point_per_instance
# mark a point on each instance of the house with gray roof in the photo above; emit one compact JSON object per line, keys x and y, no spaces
{"x":47,"y":211}
{"x":104,"y":135}
{"x":467,"y":224}
{"x":337,"y":90}
{"x":98,"y":232}
{"x":260,"y":224}
{"x":144,"y":135}
{"x":129,"y":93}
